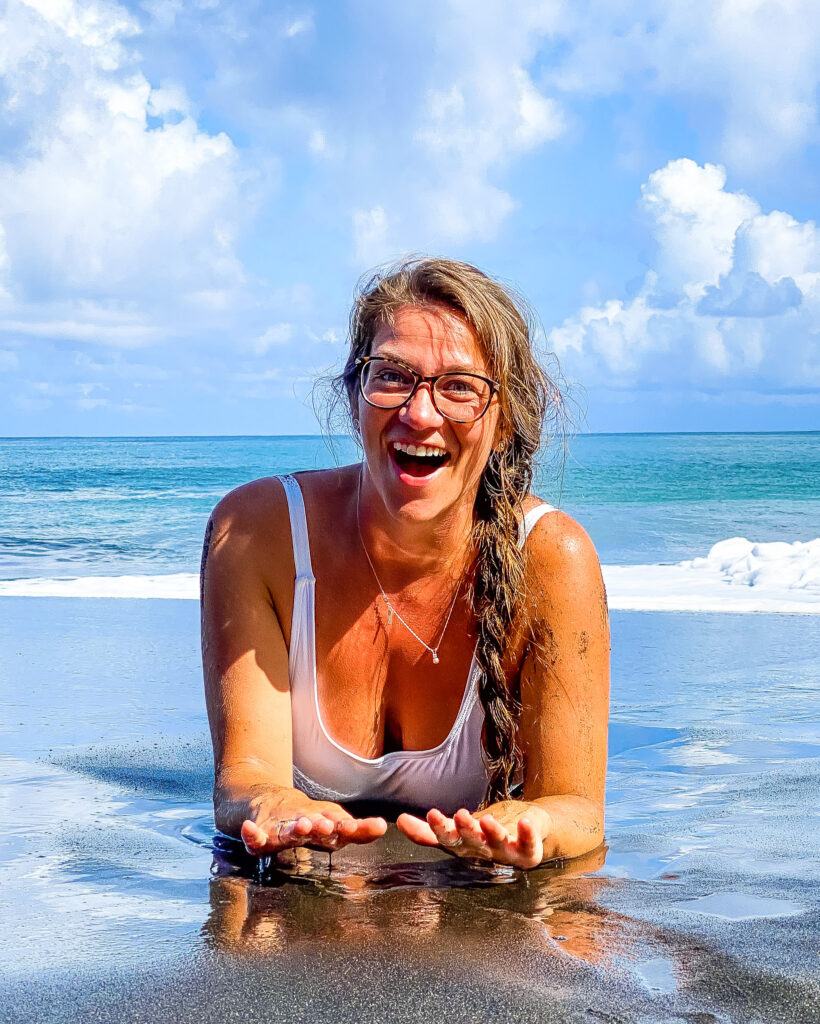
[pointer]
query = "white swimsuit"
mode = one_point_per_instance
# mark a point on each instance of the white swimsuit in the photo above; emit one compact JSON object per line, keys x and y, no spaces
{"x":448,"y":776}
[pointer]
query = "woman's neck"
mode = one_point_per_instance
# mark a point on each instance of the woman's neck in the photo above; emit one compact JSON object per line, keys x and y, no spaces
{"x":404,"y":549}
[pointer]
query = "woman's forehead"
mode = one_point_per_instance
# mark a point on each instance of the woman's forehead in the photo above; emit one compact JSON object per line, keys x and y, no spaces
{"x":429,"y":335}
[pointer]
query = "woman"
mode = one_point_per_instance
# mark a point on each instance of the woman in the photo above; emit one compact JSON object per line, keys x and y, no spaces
{"x":343,"y":612}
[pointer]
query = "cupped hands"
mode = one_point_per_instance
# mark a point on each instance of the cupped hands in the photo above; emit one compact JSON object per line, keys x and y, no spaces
{"x":517,"y":839}
{"x":330,"y":829}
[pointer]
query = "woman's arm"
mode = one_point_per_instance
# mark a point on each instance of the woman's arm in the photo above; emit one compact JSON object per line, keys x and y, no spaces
{"x":563,"y":726}
{"x":247,"y":691}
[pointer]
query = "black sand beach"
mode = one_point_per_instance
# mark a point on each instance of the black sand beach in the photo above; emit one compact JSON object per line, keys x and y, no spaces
{"x":115,"y":906}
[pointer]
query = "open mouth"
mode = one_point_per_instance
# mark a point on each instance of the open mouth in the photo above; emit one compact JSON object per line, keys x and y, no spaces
{"x":418,"y":460}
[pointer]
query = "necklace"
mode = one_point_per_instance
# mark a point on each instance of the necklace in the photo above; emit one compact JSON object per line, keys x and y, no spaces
{"x":391,"y":611}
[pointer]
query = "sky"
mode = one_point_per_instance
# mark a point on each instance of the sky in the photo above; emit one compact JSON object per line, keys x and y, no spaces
{"x":191,"y":189}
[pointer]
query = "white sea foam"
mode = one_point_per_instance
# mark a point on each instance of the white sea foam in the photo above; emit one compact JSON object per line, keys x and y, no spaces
{"x":177,"y":585}
{"x":736,"y":576}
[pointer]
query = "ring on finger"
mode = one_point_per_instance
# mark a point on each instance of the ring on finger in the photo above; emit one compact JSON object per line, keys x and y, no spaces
{"x":452,"y":845}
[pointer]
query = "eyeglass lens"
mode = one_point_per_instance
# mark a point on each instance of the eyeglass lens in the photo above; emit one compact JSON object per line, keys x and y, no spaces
{"x":458,"y":396}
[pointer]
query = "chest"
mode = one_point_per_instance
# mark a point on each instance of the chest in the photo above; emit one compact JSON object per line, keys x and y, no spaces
{"x":378,"y":687}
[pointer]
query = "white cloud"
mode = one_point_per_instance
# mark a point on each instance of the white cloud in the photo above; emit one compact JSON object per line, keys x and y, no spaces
{"x":735,"y":294}
{"x":370,"y":234}
{"x":495,"y":87}
{"x":463,"y":107}
{"x":91,"y":329}
{"x":756,"y":62}
{"x":317,"y":142}
{"x":694,"y":221}
{"x":275,"y":336}
{"x":99,"y":202}
{"x":489,"y":114}
{"x":299,"y":25}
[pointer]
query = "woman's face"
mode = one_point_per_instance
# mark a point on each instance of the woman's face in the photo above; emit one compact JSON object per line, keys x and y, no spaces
{"x":431,"y":340}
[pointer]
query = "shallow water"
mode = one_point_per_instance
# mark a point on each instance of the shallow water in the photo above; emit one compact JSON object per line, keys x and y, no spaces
{"x":116,"y":907}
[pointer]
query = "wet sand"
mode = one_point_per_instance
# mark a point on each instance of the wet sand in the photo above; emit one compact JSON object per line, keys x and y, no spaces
{"x":115,"y":906}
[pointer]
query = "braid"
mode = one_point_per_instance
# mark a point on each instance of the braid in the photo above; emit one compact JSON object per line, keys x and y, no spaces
{"x":497,"y":584}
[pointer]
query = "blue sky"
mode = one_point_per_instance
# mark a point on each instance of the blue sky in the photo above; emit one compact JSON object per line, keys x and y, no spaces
{"x":189,"y":192}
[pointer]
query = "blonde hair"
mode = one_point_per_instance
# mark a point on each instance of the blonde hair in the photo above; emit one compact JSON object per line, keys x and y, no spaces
{"x":504,"y":326}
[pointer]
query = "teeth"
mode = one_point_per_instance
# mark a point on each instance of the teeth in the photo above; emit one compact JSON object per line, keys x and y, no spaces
{"x":418,"y":449}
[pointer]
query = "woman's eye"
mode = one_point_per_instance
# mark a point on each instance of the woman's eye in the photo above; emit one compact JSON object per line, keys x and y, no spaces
{"x":459,"y":387}
{"x":390,"y":377}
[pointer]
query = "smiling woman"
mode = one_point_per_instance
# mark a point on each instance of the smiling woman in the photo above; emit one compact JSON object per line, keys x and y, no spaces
{"x":416,"y":630}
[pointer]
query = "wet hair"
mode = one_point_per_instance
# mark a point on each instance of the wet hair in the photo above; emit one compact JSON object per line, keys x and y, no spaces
{"x":530,"y":400}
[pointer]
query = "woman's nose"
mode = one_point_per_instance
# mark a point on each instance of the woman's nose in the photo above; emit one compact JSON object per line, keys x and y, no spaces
{"x":420,"y":410}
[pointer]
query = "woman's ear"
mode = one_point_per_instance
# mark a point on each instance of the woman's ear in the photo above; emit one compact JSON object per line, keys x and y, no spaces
{"x":499,"y":438}
{"x":354,"y":416}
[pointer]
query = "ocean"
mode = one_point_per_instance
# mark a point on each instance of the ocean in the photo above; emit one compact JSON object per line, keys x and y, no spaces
{"x":125,"y":516}
{"x":115,"y":905}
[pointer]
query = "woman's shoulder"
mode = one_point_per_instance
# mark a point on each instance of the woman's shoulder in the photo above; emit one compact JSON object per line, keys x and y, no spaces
{"x":250,"y":528}
{"x":557,"y":542}
{"x":258,"y":500}
{"x":250,"y":506}
{"x":256,"y":513}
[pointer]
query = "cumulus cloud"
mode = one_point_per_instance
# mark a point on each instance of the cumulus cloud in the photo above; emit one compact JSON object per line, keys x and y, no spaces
{"x":273,"y":337}
{"x":302,"y":23}
{"x":733,"y":293}
{"x":756,"y":62}
{"x":465,"y":93}
{"x":113,"y":193}
{"x":370,"y":234}
{"x":482,"y":113}
{"x":496,"y":88}
{"x":171,"y":172}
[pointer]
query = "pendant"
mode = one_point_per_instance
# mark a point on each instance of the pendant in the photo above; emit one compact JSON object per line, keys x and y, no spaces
{"x":435,"y":657}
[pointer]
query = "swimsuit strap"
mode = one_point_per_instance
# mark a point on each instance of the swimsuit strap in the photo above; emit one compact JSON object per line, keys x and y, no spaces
{"x":298,"y":527}
{"x":530,"y":519}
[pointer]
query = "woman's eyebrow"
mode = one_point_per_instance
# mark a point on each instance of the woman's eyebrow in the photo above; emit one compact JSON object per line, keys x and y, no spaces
{"x":453,"y":368}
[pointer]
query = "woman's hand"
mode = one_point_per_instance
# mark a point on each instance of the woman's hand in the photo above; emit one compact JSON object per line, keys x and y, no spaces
{"x":506,"y":835}
{"x":322,"y":824}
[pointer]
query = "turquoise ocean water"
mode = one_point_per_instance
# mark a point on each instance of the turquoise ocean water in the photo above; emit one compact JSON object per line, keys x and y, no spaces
{"x":102,"y":506}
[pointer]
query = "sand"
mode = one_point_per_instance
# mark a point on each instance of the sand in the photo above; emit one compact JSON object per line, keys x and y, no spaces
{"x":114,"y":905}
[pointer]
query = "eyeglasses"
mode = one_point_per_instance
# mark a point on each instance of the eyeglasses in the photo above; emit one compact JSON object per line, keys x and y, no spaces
{"x":390,"y":384}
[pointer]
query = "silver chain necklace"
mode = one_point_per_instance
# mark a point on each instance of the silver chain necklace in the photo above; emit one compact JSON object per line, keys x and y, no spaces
{"x":391,"y":611}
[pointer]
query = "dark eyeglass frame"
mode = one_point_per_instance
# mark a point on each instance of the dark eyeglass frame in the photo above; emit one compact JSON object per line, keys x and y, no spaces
{"x":362,"y":361}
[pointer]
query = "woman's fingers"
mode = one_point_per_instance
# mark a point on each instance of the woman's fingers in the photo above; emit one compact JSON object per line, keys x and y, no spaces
{"x":484,"y":838}
{"x":254,"y":838}
{"x":472,"y":842}
{"x":444,"y":828}
{"x":530,"y":844}
{"x":301,"y":830}
{"x":361,"y":830}
{"x":523,"y":848}
{"x":309,"y":830}
{"x":273,"y":835}
{"x":463,"y":835}
{"x":416,"y":829}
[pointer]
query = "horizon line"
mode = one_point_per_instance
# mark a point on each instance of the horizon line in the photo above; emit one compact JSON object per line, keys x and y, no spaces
{"x":347,"y":437}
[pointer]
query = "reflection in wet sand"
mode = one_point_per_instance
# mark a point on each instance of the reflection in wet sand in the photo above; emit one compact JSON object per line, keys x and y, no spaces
{"x":423,"y":903}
